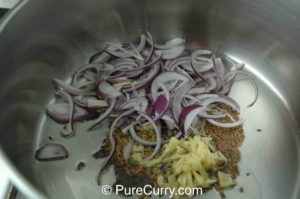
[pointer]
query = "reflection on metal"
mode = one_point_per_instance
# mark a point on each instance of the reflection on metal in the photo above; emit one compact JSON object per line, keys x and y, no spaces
{"x":261,"y":77}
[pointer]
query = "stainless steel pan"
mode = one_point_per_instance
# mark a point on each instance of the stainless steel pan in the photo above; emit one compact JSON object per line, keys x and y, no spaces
{"x":40,"y":40}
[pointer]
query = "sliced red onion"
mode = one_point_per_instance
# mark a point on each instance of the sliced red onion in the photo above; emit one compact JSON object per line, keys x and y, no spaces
{"x":126,"y":126}
{"x":142,"y":93}
{"x":229,"y":99}
{"x":135,"y":74}
{"x":121,"y":61}
{"x":160,"y":106}
{"x":207,"y":89}
{"x":193,"y":99}
{"x":95,"y":103}
{"x":67,"y":129}
{"x":50,"y":152}
{"x":155,"y":70}
{"x":164,"y":78}
{"x":185,"y":89}
{"x":119,"y":80}
{"x":220,"y":66}
{"x":91,"y":66}
{"x":193,"y":57}
{"x":203,"y":114}
{"x":60,"y":113}
{"x":172,"y":52}
{"x":112,"y":49}
{"x":138,"y":104}
{"x":203,"y":52}
{"x":120,"y":69}
{"x":217,"y":71}
{"x":198,"y":64}
{"x":176,"y":104}
{"x":112,"y":77}
{"x":90,"y":76}
{"x":202,"y":97}
{"x":127,"y":150}
{"x":70,"y":89}
{"x":100,"y":57}
{"x":136,"y":138}
{"x":250,"y":78}
{"x":171,"y":44}
{"x":170,"y":122}
{"x":142,"y":43}
{"x":187,"y":117}
{"x":112,"y":142}
{"x":162,"y":102}
{"x":226,"y":125}
{"x":181,"y":71}
{"x":84,"y":84}
{"x":103,"y":116}
{"x":181,"y":61}
{"x":220,"y":100}
{"x":107,"y":91}
{"x":152,"y":63}
{"x":82,"y":100}
{"x":157,"y":133}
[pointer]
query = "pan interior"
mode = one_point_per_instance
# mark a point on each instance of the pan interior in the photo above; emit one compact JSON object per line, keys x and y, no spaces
{"x":271,"y":156}
{"x":43,"y":40}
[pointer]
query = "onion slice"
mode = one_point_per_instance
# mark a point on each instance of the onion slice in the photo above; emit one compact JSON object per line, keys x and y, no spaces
{"x":193,"y":57}
{"x":107,"y":91}
{"x":163,"y":78}
{"x":171,"y":53}
{"x":144,"y":82}
{"x":112,"y":142}
{"x":157,"y":133}
{"x":70,"y":89}
{"x":217,"y":71}
{"x":103,"y":116}
{"x":160,"y":106}
{"x":100,"y":57}
{"x":221,"y":100}
{"x":67,"y":129}
{"x":226,"y":125}
{"x":136,"y":138}
{"x":60,"y":113}
{"x":171,"y":43}
{"x":138,"y":104}
{"x":51,"y":151}
{"x":187,"y":117}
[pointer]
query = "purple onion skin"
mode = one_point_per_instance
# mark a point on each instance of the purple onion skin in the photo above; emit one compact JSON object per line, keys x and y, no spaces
{"x":183,"y":116}
{"x":88,"y":116}
{"x":160,"y":106}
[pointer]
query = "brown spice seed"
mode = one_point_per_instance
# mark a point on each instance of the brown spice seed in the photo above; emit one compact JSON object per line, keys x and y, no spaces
{"x":228,"y":141}
{"x":241,"y":189}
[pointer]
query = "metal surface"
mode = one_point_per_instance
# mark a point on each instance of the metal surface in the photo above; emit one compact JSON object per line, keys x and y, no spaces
{"x":8,"y":3}
{"x":41,"y":40}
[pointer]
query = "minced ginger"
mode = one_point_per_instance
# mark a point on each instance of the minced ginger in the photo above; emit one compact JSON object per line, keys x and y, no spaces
{"x":186,"y":163}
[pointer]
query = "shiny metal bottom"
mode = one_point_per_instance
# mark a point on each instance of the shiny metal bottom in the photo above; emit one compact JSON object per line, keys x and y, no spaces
{"x":41,"y":40}
{"x":268,"y":156}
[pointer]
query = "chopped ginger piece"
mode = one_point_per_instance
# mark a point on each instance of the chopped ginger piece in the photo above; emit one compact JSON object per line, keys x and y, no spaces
{"x":186,"y":163}
{"x":225,"y":180}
